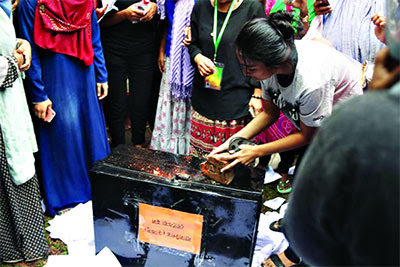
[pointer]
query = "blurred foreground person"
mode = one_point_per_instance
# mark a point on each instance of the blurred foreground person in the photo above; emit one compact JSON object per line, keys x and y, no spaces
{"x":344,"y":209}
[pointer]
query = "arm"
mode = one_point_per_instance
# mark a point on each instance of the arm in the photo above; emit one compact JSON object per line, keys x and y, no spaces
{"x":380,"y":23}
{"x":321,"y":8}
{"x":149,"y":14}
{"x":161,"y":53}
{"x":98,"y":60}
{"x":25,"y":50}
{"x":14,"y":4}
{"x":256,"y":101}
{"x":204,"y":64}
{"x":35,"y":85}
{"x":129,"y":13}
{"x":188,"y":36}
{"x":248,"y":153}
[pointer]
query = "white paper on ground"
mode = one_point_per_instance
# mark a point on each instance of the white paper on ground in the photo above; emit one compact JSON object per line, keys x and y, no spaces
{"x":268,"y":242}
{"x":75,"y":229}
{"x":274,"y":203}
{"x":283,"y":209}
{"x":271,"y":175}
{"x":291,"y":170}
{"x":104,"y":259}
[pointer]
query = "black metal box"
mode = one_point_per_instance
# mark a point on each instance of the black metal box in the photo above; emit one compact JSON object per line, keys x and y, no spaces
{"x":131,"y":177}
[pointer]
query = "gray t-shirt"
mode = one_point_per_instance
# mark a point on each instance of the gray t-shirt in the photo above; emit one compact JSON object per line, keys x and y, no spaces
{"x":323,"y":77}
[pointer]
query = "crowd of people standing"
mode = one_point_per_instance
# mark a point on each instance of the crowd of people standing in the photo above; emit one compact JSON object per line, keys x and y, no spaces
{"x":272,"y":71}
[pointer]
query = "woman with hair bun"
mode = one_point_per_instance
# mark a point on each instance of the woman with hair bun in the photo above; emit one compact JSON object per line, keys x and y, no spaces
{"x":303,"y":79}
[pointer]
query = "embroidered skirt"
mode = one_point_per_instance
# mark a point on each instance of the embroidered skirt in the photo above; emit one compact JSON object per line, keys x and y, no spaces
{"x":21,"y":218}
{"x":206,"y":134}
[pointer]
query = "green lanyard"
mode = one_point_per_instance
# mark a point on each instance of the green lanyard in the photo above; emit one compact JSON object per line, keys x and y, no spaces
{"x":216,"y":40}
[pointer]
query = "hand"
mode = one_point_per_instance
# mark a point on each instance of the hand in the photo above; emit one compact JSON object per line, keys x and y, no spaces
{"x":14,"y":4}
{"x":24,"y":48}
{"x":149,"y":14}
{"x":40,"y":109}
{"x":132,"y":13}
{"x":19,"y":57}
{"x":246,"y":155}
{"x":102,"y":90}
{"x":386,"y":71}
{"x":188,"y":36}
{"x":256,"y":105}
{"x":380,"y":23}
{"x":219,"y":149}
{"x":100,"y":11}
{"x":205,"y":65}
{"x":161,"y":61}
{"x":300,"y":4}
{"x":321,"y":9}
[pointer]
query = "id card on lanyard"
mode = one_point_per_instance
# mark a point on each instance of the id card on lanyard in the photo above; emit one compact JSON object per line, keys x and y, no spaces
{"x":214,"y":80}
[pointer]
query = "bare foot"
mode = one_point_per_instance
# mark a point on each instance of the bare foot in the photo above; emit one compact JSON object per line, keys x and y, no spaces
{"x":285,"y":261}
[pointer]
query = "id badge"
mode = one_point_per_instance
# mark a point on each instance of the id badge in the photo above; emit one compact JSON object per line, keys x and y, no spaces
{"x":214,"y":80}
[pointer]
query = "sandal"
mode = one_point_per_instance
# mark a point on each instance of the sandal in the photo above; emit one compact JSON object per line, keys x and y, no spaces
{"x":283,"y":185}
{"x":278,"y":262}
{"x":276,"y":226}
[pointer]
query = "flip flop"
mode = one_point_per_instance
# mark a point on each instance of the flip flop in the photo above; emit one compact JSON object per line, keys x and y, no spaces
{"x":278,"y":262}
{"x":276,"y":226}
{"x":282,"y":184}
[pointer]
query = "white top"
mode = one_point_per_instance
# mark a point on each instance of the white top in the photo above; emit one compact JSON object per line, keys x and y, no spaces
{"x":323,"y":77}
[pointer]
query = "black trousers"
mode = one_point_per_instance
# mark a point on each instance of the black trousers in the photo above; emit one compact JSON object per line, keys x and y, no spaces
{"x":287,"y":159}
{"x":138,"y":70}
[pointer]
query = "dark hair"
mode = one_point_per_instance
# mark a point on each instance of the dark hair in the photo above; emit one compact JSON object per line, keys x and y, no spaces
{"x":268,"y":39}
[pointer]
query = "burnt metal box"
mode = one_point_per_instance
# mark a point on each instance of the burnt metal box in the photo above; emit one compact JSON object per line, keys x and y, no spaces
{"x":131,"y":177}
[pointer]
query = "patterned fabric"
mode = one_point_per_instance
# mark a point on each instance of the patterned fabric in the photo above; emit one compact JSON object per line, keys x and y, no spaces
{"x":161,"y":8}
{"x":350,"y":30}
{"x":182,"y":71}
{"x":12,"y":73}
{"x":172,"y":126}
{"x":22,"y":224}
{"x":281,"y":128}
{"x":206,"y":134}
{"x":65,"y":27}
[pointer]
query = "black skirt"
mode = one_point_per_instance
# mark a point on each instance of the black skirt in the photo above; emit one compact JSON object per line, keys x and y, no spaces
{"x":21,"y":217}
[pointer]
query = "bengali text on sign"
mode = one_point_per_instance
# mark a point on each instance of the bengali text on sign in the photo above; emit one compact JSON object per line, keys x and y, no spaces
{"x":170,"y":228}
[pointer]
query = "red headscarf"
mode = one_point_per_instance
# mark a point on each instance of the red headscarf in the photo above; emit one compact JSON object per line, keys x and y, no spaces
{"x":65,"y":27}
